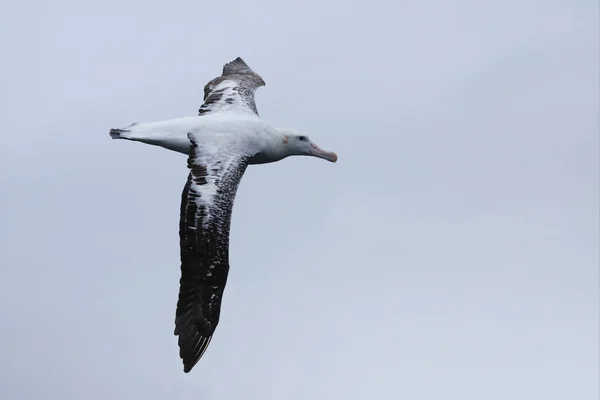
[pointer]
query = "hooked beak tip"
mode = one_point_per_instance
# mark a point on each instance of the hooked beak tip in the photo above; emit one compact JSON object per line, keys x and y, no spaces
{"x":327,"y":155}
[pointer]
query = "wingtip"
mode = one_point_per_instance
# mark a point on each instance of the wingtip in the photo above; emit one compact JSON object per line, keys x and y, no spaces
{"x":236,"y":66}
{"x":239,"y":60}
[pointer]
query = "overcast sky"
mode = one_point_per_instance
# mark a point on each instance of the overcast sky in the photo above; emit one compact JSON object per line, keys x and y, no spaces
{"x":451,"y":253}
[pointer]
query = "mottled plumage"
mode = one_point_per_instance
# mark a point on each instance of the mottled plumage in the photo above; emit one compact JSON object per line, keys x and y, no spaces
{"x":234,"y":89}
{"x":206,"y":205}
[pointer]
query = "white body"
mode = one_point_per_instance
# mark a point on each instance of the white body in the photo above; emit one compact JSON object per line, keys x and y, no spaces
{"x":219,"y":129}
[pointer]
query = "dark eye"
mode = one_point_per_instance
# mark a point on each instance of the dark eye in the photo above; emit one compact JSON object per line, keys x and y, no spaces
{"x":302,"y":138}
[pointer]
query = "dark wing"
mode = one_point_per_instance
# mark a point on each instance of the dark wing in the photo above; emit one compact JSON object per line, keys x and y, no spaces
{"x":233,"y":90}
{"x":206,"y":205}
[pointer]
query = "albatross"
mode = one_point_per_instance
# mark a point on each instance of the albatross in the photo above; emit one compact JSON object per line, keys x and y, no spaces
{"x":224,"y":138}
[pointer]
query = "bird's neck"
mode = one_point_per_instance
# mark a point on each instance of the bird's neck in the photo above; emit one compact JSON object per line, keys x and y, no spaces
{"x":271,"y":148}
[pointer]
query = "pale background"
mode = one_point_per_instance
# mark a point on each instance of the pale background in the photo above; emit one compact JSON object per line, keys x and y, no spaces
{"x":451,"y":253}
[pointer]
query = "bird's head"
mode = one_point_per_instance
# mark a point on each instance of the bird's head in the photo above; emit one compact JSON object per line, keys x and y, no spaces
{"x":298,"y":144}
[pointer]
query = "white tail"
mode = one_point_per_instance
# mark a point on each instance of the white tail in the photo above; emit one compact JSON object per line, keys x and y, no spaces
{"x":170,"y":134}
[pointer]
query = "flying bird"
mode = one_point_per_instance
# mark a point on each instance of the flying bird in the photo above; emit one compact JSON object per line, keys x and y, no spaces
{"x":224,"y":138}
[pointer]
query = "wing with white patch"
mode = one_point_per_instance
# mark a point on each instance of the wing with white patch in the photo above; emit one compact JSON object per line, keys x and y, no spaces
{"x":233,"y":90}
{"x":206,"y":205}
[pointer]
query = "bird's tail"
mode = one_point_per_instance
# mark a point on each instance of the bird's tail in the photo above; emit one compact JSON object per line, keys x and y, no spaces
{"x":122,"y":133}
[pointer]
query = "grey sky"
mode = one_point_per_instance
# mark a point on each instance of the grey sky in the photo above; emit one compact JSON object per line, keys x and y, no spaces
{"x":452,"y":252}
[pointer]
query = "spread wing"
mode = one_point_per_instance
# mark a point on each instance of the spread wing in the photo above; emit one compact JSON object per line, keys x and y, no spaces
{"x":206,"y":205}
{"x":233,"y":90}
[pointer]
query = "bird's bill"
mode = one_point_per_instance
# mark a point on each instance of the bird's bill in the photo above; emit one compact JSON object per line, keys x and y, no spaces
{"x":326,"y":155}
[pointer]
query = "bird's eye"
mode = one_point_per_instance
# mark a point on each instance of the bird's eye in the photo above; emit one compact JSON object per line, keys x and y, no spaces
{"x":302,"y":138}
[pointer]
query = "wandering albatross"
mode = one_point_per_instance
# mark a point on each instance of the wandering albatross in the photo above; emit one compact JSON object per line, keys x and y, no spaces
{"x":224,"y":138}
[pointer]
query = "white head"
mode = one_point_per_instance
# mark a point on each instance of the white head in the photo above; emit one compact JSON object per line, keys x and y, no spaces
{"x":296,"y":144}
